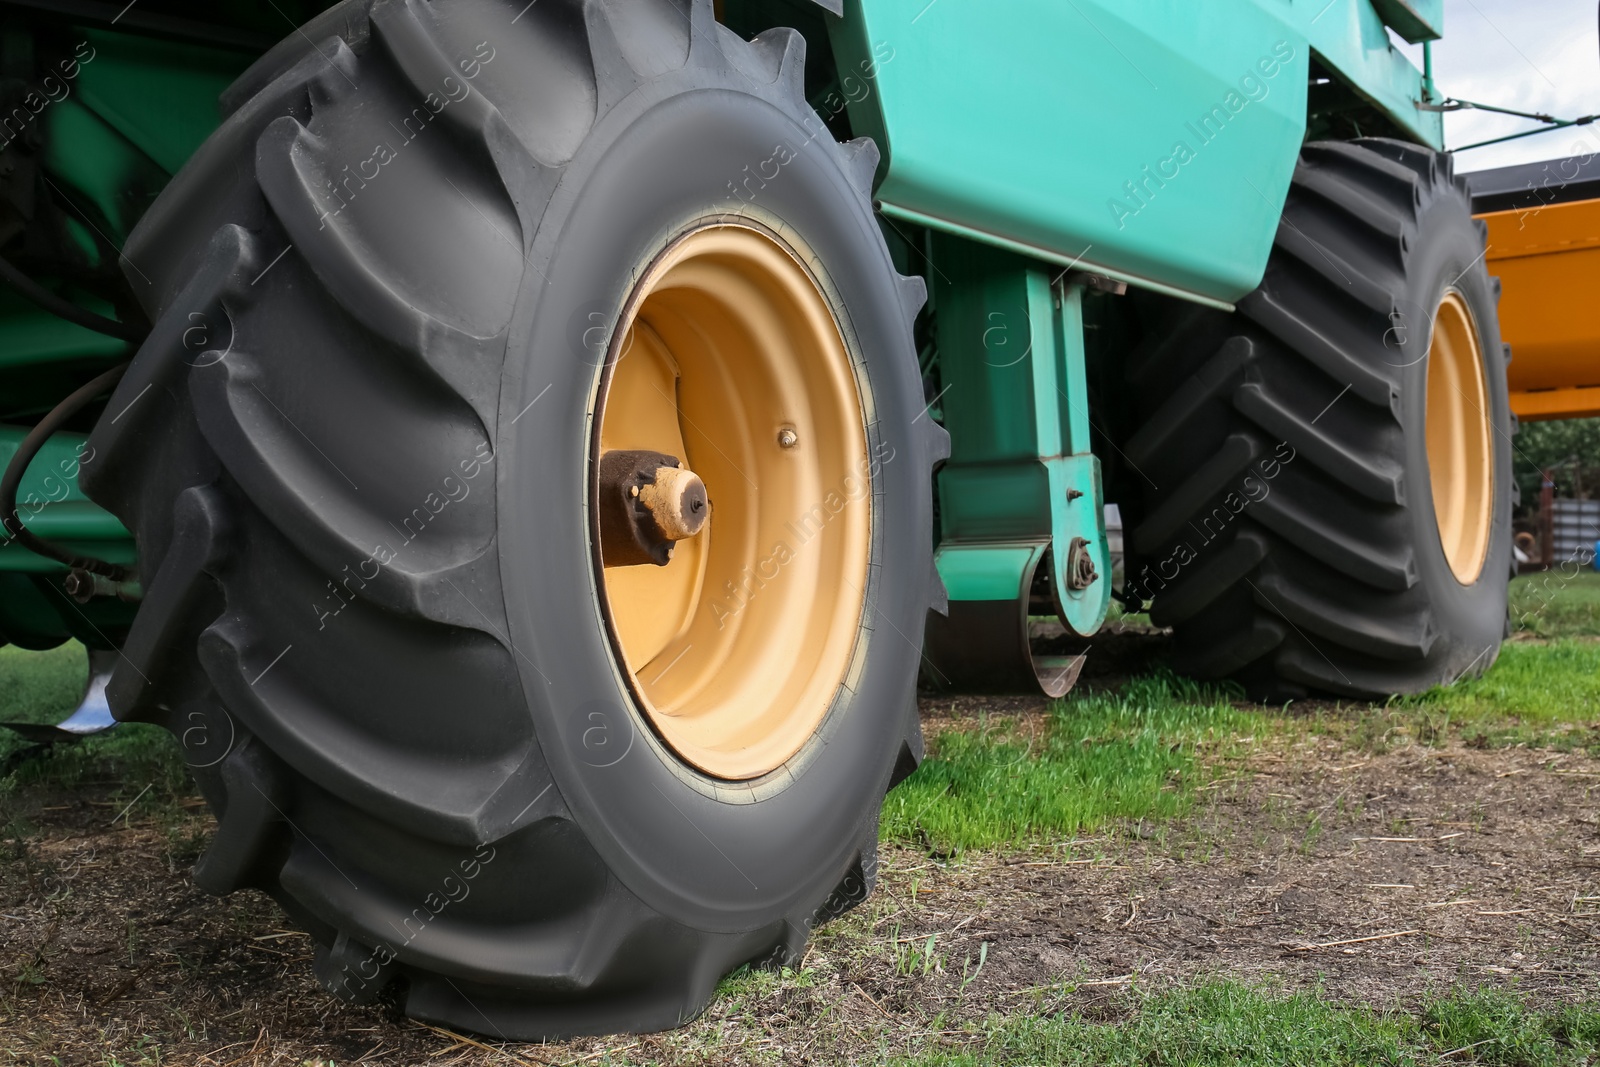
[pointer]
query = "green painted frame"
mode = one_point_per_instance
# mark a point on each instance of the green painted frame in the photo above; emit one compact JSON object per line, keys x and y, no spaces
{"x":1020,"y":473}
{"x":1193,"y":123}
{"x":122,"y":116}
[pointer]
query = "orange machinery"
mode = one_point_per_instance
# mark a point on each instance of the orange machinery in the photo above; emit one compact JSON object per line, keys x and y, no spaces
{"x":1544,"y":244}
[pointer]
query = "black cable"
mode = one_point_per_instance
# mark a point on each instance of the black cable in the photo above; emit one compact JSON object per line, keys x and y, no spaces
{"x":66,"y":309}
{"x":12,"y":480}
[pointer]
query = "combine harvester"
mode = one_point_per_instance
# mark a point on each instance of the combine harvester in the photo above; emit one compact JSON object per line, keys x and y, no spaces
{"x":518,"y":452}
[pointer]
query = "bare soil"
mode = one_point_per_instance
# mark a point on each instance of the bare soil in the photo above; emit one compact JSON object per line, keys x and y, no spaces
{"x":1378,"y":878}
{"x":1433,"y":866}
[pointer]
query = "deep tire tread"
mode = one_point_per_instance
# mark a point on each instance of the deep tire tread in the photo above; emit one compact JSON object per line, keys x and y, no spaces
{"x":223,"y":492}
{"x":1315,"y":586}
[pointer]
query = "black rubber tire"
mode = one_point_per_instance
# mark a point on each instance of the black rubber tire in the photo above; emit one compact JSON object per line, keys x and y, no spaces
{"x":354,"y":453}
{"x":1284,"y":527}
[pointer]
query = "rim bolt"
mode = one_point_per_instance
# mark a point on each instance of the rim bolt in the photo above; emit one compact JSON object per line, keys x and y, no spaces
{"x":787,"y":438}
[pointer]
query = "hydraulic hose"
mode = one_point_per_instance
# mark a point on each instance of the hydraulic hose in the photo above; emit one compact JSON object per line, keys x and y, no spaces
{"x":66,"y":309}
{"x":11,"y":482}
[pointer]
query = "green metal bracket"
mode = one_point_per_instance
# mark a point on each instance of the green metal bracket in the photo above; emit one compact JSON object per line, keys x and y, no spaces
{"x":1010,"y":343}
{"x":986,"y":571}
{"x":1077,"y":506}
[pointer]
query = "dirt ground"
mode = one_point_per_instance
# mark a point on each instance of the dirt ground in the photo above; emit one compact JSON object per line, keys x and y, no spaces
{"x":1372,"y":877}
{"x":1425,"y":866}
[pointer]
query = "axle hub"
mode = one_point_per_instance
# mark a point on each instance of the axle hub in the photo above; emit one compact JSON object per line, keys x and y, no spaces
{"x":647,"y":502}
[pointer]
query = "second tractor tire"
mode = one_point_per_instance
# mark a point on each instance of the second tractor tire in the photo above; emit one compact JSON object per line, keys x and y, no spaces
{"x":1285,"y":524}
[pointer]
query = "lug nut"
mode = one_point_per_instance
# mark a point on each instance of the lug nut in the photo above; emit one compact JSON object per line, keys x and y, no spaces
{"x":1081,"y":571}
{"x":787,"y":438}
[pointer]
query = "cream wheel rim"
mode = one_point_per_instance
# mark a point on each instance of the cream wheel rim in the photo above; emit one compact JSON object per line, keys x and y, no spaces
{"x":729,"y":358}
{"x":1460,"y":448}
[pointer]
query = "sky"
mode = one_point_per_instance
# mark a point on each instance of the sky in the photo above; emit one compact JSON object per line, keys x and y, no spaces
{"x":1532,"y":55}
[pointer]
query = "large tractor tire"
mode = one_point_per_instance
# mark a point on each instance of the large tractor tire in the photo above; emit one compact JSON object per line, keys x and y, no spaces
{"x":1326,"y":472}
{"x":439,"y":260}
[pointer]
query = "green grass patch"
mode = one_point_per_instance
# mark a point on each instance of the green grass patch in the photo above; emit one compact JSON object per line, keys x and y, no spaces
{"x":1116,"y":612}
{"x":45,"y":687}
{"x":1137,"y":752}
{"x":1129,"y":753}
{"x":41,"y":686}
{"x":1540,"y":694}
{"x":1226,"y":1024}
{"x":1562,"y":602}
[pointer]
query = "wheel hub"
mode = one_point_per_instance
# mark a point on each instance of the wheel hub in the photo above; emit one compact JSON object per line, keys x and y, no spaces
{"x":648,"y":501}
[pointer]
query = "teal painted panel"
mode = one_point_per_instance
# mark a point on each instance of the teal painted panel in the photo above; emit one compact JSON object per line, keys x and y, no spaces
{"x":87,"y":155}
{"x":1083,"y":611}
{"x":985,"y":336}
{"x":29,"y":336}
{"x":1415,"y":20}
{"x":994,"y":502}
{"x":1077,"y":504}
{"x":1152,"y":140}
{"x":160,"y":95}
{"x":51,"y":504}
{"x":986,"y":572}
{"x":993,"y":487}
{"x":1011,"y":360}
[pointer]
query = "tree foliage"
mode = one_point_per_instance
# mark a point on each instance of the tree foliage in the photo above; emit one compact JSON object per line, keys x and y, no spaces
{"x":1570,"y":448}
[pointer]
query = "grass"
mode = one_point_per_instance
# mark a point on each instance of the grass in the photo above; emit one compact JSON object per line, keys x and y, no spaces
{"x":1127,"y":754}
{"x":1563,"y":602}
{"x":40,"y":686}
{"x":1540,"y":694}
{"x":1212,"y":1023}
{"x":1226,"y":1024}
{"x":1136,"y":753}
{"x":44,"y":687}
{"x":1139,"y":752}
